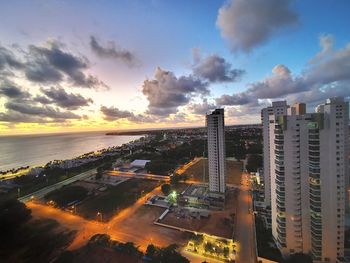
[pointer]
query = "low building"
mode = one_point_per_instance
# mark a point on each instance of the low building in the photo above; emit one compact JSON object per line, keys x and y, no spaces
{"x":139,"y":163}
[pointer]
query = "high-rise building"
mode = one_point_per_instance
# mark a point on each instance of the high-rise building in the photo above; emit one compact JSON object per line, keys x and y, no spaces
{"x":309,"y":176}
{"x":215,"y":122}
{"x":278,"y":108}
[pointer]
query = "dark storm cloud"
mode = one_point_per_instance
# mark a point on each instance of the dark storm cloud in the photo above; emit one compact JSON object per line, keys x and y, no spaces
{"x":248,"y":23}
{"x":166,"y":92}
{"x":215,"y":69}
{"x":63,"y":99}
{"x":112,"y":52}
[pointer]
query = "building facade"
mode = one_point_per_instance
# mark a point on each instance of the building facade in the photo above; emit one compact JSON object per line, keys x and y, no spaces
{"x":215,"y":122}
{"x":278,"y":108}
{"x":309,"y":177}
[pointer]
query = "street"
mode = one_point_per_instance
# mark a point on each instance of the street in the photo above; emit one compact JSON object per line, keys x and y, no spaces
{"x":127,"y":226}
{"x":245,"y":232}
{"x":42,"y":192}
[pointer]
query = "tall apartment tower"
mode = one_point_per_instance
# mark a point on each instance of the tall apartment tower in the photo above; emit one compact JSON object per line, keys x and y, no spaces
{"x":278,"y":108}
{"x":215,"y":122}
{"x":309,"y":176}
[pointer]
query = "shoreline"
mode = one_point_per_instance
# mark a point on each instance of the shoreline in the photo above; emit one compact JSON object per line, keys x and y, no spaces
{"x":24,"y":170}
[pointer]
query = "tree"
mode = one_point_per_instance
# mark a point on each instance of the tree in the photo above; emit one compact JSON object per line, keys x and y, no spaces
{"x":13,"y":214}
{"x":298,"y":258}
{"x":184,"y":177}
{"x":151,"y":250}
{"x":198,"y":239}
{"x":169,"y":255}
{"x":208,"y":247}
{"x":99,"y":173}
{"x":226,"y":252}
{"x":159,"y":166}
{"x":129,"y":248}
{"x":166,"y":189}
{"x":254,"y":162}
{"x":175,"y":179}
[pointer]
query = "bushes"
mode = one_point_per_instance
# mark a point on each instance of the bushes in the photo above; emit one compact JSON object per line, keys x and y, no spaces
{"x":254,"y":162}
{"x":166,"y":189}
{"x":167,"y":254}
{"x":264,"y":238}
{"x":13,"y":214}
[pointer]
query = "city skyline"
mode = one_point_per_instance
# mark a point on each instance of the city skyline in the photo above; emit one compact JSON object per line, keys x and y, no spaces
{"x":135,"y":65}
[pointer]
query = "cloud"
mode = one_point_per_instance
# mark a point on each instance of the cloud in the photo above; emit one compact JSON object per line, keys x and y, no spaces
{"x":215,"y":69}
{"x":7,"y":58}
{"x":112,"y":52}
{"x":26,"y":107}
{"x":335,"y":66}
{"x":316,"y":95}
{"x":11,"y":90}
{"x":201,"y":108}
{"x":326,"y":44}
{"x":328,"y":75}
{"x":18,"y":110}
{"x":63,"y":99}
{"x":112,"y":113}
{"x":248,"y":23}
{"x":16,"y":117}
{"x":281,"y":83}
{"x":166,"y":92}
{"x":235,"y":99}
{"x":51,"y":64}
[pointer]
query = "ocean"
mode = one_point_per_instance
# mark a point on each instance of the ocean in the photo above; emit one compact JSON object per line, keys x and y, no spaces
{"x":23,"y":150}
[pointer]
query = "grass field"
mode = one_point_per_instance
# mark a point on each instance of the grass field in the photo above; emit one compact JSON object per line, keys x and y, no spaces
{"x":233,"y":171}
{"x":115,"y":198}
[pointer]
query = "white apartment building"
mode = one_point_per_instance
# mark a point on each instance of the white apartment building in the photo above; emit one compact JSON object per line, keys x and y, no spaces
{"x":215,"y":122}
{"x":278,"y":108}
{"x":309,"y":177}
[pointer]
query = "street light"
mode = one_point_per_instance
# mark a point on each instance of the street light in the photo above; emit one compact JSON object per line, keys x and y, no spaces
{"x":100,"y":215}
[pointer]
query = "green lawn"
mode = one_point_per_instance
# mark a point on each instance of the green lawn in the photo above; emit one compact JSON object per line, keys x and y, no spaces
{"x":115,"y":198}
{"x":233,"y":171}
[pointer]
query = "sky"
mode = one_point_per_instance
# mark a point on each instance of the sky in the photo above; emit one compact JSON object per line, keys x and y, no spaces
{"x":132,"y":64}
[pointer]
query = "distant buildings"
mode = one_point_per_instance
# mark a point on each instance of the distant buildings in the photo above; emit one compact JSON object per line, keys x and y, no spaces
{"x":307,"y":166}
{"x":216,"y":151}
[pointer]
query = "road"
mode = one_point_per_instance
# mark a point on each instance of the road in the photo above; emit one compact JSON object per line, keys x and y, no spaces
{"x":42,"y":192}
{"x":164,"y":178}
{"x":245,"y":232}
{"x":183,"y":168}
{"x":127,"y":226}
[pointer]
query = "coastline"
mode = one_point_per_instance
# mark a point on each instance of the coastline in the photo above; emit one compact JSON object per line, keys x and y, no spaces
{"x":12,"y":173}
